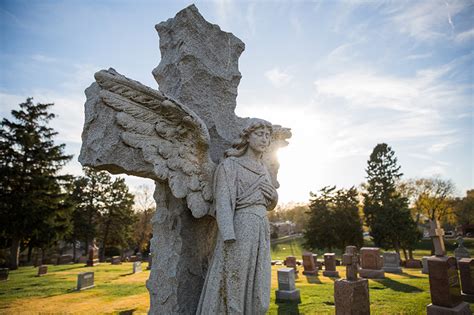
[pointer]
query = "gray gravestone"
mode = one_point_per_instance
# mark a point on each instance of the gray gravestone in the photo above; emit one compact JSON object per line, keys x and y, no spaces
{"x":85,"y":280}
{"x":424,"y":263}
{"x":461,"y":251}
{"x":116,"y":260}
{"x":371,"y":263}
{"x":137,"y":266}
{"x":391,"y":262}
{"x":4,"y":274}
{"x":42,"y":270}
{"x":287,"y":291}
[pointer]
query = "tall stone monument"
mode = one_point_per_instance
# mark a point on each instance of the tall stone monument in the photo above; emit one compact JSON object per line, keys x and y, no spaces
{"x":445,"y":289}
{"x":351,"y":295}
{"x":174,"y":136}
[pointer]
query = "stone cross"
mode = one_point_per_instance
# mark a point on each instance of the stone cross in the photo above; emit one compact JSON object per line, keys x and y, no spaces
{"x":198,"y":69}
{"x":436,"y":234}
{"x":350,"y":261}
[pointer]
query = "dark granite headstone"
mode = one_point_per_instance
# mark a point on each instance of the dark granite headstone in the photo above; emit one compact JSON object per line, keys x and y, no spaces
{"x":116,"y":260}
{"x":85,"y":280}
{"x":42,"y":270}
{"x":65,"y":259}
{"x":4,"y":274}
{"x":309,"y":265}
{"x":466,"y":271}
{"x":330,"y":265}
{"x":444,"y":281}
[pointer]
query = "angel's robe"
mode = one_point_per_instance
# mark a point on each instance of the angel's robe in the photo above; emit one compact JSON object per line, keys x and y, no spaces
{"x":238,"y":279}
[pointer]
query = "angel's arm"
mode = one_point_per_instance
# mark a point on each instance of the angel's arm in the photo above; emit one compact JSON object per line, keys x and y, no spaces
{"x":223,"y":205}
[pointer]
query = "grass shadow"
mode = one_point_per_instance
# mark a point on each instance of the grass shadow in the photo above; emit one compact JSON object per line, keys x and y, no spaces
{"x":409,"y":275}
{"x":313,"y":279}
{"x":127,"y":312}
{"x":397,"y":286}
{"x":126,"y":274}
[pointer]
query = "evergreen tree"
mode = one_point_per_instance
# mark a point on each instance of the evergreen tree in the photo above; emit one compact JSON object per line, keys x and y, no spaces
{"x":103,"y":210}
{"x":386,"y":211}
{"x":33,"y":207}
{"x":334,"y":220}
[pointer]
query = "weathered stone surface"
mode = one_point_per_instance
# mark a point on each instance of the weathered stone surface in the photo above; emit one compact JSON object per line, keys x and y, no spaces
{"x":391,"y":262}
{"x":351,"y":297}
{"x":444,"y":281}
{"x":350,"y":259}
{"x":93,"y":255}
{"x":85,"y":280}
{"x":466,"y":271}
{"x":199,"y":69}
{"x":309,"y":265}
{"x":424,"y":263}
{"x":370,"y":258}
{"x":287,"y":291}
{"x":330,"y":265}
{"x":414,"y":263}
{"x":137,"y":267}
{"x":42,"y":270}
{"x":436,"y":234}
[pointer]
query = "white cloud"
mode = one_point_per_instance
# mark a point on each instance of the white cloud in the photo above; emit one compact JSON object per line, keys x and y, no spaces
{"x":427,"y":20}
{"x":278,"y":77}
{"x":419,"y":56}
{"x":465,"y":36}
{"x":42,"y":58}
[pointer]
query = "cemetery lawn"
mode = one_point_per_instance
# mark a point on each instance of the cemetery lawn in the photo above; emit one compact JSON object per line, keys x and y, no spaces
{"x":118,"y":291}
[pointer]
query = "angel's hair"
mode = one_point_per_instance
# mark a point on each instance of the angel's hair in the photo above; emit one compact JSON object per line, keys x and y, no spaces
{"x":239,"y":148}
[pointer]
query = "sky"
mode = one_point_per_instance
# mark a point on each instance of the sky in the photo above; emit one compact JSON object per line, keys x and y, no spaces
{"x":343,"y":75}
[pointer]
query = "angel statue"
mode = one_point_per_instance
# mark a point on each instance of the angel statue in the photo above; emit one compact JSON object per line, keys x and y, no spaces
{"x":215,"y":173}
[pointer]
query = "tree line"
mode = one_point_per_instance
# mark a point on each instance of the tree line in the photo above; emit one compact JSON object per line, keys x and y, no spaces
{"x":39,"y":205}
{"x":392,"y":209}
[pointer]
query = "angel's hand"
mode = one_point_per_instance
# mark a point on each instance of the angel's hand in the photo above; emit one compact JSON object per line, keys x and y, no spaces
{"x":268,"y":191}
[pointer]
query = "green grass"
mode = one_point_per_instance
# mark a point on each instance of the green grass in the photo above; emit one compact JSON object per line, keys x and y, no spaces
{"x":118,"y":290}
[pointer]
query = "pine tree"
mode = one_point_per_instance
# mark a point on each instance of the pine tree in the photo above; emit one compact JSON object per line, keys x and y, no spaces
{"x":33,"y":207}
{"x":386,"y":211}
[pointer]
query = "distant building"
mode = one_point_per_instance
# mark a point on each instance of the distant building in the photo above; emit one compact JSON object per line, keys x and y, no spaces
{"x":282,"y":228}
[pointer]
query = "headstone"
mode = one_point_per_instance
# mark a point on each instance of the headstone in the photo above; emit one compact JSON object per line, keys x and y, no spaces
{"x":85,"y":280}
{"x":42,"y":270}
{"x":436,"y":234}
{"x":461,"y":251}
{"x":133,"y":258}
{"x":93,"y":257}
{"x":315,"y":258}
{"x":424,"y":263}
{"x":371,"y":263}
{"x":4,"y":274}
{"x":198,"y":69}
{"x":137,"y":266}
{"x":116,"y":260}
{"x":330,"y":265}
{"x":309,"y":265}
{"x":444,"y":287}
{"x":290,"y":262}
{"x":351,"y":295}
{"x":391,"y":262}
{"x":413,"y":264}
{"x":287,"y":291}
{"x":466,"y":272}
{"x":65,"y":260}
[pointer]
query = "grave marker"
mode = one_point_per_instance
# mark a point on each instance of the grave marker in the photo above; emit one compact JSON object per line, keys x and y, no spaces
{"x":309,"y":265}
{"x":85,"y":280}
{"x":371,"y":263}
{"x":330,"y":265}
{"x":287,"y":291}
{"x":137,"y":266}
{"x":351,"y":295}
{"x":466,"y":270}
{"x":461,"y":251}
{"x":42,"y":270}
{"x":391,"y":262}
{"x":116,"y":260}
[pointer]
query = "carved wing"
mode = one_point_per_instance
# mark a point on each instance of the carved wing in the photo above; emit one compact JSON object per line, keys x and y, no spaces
{"x":170,"y":136}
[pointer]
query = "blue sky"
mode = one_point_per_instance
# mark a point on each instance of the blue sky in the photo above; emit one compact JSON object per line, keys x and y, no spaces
{"x":344,"y":75}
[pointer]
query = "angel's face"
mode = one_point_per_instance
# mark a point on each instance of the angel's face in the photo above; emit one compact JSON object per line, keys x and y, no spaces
{"x":259,"y":139}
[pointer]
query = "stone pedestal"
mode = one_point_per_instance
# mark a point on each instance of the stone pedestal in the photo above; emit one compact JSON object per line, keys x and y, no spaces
{"x":287,"y":292}
{"x":93,"y":257}
{"x":352,"y":297}
{"x":461,"y":309}
{"x":42,"y":270}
